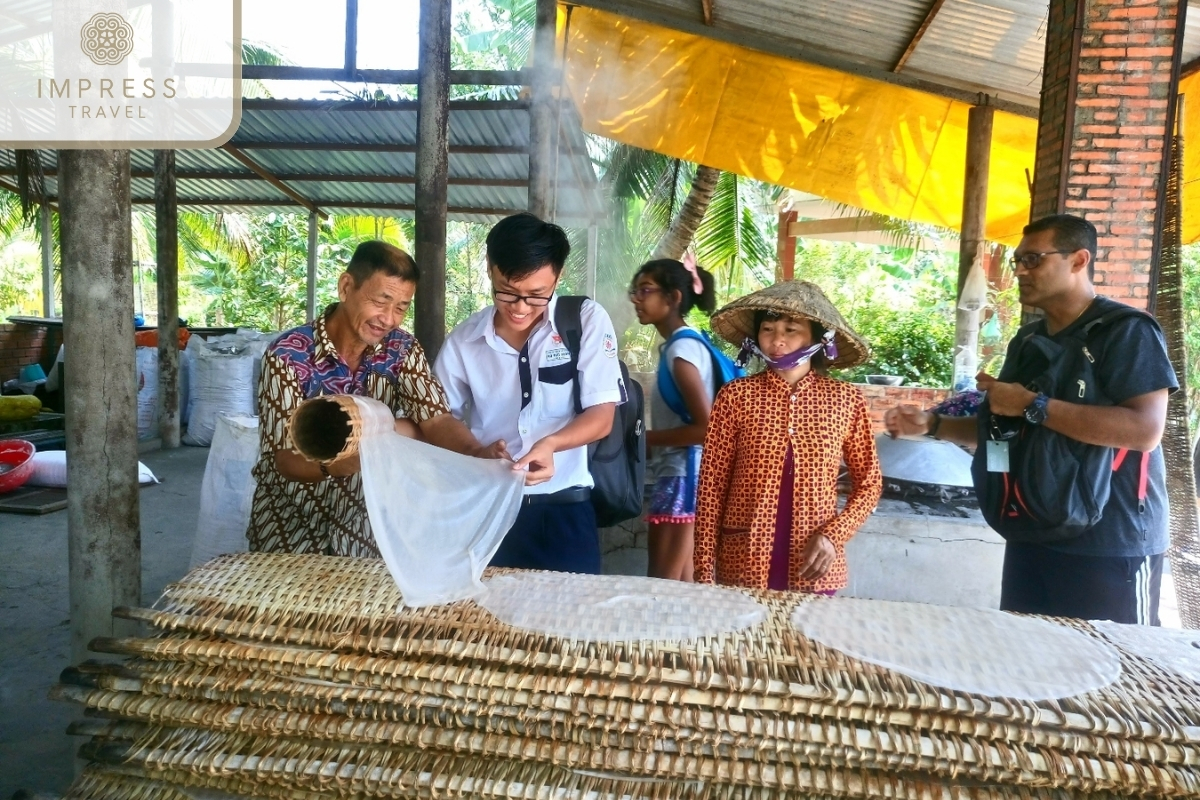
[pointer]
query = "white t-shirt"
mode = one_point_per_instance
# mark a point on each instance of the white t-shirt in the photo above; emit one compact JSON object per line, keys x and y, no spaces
{"x":671,"y":462}
{"x":524,"y":396}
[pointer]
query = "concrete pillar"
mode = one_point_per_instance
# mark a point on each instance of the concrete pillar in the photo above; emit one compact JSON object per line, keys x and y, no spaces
{"x":166,"y":230}
{"x":104,"y":541}
{"x":310,"y":307}
{"x":972,"y":249}
{"x":47,"y":243}
{"x":541,"y":112}
{"x":433,"y":169}
{"x":1111,"y":75}
{"x":593,"y":254}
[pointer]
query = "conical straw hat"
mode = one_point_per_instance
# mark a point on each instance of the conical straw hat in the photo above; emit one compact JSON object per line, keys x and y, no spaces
{"x":735,"y":321}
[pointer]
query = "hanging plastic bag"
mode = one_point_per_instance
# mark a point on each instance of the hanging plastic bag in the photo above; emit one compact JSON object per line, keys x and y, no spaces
{"x":438,"y":517}
{"x":227,"y":491}
{"x":974,"y":293}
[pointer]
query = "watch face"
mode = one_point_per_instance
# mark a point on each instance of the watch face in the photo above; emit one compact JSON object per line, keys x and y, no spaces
{"x":1035,"y":413}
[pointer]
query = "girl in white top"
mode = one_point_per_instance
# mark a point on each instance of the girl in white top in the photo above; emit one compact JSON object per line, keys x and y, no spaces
{"x":663,"y":292}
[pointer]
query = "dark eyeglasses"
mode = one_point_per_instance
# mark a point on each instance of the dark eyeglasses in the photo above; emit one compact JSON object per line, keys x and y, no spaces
{"x":642,"y":292}
{"x":1031,"y":261}
{"x":531,"y":300}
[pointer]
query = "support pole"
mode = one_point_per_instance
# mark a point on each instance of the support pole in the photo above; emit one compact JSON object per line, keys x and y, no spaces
{"x":166,"y":231}
{"x":785,"y":247}
{"x":47,"y":262}
{"x":973,"y":250}
{"x":433,"y":168}
{"x":541,"y":111}
{"x":103,"y":531}
{"x":310,"y":307}
{"x":593,"y":254}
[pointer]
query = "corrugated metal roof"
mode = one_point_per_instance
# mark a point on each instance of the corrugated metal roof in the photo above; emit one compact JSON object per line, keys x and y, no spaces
{"x":993,"y":47}
{"x":310,"y":146}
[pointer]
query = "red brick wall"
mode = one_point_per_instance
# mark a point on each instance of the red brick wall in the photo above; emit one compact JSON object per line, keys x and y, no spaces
{"x":21,"y":345}
{"x":1118,"y":130}
{"x":882,"y":398}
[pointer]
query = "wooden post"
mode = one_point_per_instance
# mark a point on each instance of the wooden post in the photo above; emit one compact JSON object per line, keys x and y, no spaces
{"x":103,"y":525}
{"x":973,"y":251}
{"x":310,"y":306}
{"x":166,"y":227}
{"x":785,"y":247}
{"x":433,"y":168}
{"x":541,"y":111}
{"x":593,"y":253}
{"x":47,"y":261}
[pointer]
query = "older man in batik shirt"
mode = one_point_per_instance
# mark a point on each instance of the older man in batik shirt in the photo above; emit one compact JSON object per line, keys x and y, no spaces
{"x":355,"y":347}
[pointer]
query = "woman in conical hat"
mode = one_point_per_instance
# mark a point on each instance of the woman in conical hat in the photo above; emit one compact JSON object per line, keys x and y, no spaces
{"x":767,"y":514}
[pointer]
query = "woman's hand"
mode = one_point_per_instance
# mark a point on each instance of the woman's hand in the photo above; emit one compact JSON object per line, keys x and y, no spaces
{"x":818,"y":557}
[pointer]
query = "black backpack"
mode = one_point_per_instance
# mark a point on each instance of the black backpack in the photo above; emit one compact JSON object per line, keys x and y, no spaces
{"x":618,"y":461}
{"x":1056,"y":487}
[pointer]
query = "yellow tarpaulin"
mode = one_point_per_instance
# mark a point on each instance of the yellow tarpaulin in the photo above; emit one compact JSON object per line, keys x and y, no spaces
{"x":854,"y":140}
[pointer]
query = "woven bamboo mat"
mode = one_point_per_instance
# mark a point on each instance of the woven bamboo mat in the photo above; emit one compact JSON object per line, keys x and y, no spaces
{"x":246,"y":767}
{"x":671,"y":717}
{"x":296,"y":676}
{"x":348,"y":607}
{"x":656,"y":752}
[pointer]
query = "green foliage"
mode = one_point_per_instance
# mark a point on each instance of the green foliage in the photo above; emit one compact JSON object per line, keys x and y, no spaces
{"x":1191,"y":329}
{"x":911,"y":343}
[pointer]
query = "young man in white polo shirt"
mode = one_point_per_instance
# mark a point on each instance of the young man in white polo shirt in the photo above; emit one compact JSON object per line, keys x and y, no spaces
{"x":508,"y":374}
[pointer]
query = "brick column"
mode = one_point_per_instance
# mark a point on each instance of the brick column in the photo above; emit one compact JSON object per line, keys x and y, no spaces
{"x":1111,"y":74}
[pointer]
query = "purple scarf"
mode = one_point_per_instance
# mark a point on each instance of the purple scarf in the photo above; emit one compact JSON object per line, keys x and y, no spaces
{"x":791,"y":360}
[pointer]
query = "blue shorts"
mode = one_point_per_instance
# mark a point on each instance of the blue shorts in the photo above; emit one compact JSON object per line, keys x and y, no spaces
{"x":672,"y":500}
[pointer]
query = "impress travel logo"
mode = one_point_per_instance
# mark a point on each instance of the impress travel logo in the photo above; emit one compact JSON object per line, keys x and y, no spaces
{"x":102,"y":73}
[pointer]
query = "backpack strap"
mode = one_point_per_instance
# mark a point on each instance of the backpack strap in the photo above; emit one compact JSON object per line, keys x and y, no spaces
{"x":1143,"y":474}
{"x":568,"y":321}
{"x":666,"y":379}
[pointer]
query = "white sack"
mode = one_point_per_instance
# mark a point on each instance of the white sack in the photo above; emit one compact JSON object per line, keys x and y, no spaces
{"x":147,"y":393}
{"x":223,"y":383}
{"x":438,"y":517}
{"x":50,"y":469}
{"x":227,"y":491}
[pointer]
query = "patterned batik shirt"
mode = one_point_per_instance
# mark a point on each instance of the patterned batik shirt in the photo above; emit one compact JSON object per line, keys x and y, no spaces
{"x":328,"y":516}
{"x":753,"y":422}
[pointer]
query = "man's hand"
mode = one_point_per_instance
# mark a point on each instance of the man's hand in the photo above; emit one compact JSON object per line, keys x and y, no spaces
{"x":818,"y":557}
{"x":1005,"y":399}
{"x":539,"y":462}
{"x":497,"y":449}
{"x":907,"y":420}
{"x":344,"y":468}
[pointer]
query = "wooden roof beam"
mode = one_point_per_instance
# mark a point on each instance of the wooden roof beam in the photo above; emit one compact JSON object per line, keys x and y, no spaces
{"x":271,"y":179}
{"x":707,"y":7}
{"x":920,"y":34}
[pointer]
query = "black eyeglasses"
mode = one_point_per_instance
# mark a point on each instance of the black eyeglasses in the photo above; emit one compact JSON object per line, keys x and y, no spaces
{"x":1031,"y":261}
{"x":643,"y":292}
{"x":531,"y":300}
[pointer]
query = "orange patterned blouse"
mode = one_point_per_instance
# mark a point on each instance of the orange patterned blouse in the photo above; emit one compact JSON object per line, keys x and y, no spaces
{"x":753,"y":421}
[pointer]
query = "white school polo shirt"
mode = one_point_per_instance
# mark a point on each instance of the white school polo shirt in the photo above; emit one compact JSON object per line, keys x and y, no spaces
{"x":522,"y":397}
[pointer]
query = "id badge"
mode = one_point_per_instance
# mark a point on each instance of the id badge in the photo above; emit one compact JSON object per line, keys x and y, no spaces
{"x":997,"y":456}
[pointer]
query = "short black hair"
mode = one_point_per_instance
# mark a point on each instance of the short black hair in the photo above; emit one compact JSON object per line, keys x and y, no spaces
{"x":522,"y":243}
{"x":1070,"y":233}
{"x":819,"y":361}
{"x":376,"y":256}
{"x":672,"y":276}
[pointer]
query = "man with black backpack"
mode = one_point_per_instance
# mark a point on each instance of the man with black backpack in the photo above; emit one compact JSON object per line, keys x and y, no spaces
{"x":1068,"y":467}
{"x":543,"y":384}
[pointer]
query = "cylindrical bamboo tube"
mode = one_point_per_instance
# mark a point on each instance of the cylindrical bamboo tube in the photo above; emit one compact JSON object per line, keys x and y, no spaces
{"x":326,"y":429}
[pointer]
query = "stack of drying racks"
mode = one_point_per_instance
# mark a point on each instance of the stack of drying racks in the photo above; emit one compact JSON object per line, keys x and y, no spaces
{"x":298,"y":677}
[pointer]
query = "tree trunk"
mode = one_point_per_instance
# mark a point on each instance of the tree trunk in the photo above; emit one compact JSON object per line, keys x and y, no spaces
{"x":683,"y":228}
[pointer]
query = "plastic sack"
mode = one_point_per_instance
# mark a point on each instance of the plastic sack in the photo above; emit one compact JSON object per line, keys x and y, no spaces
{"x":222,"y":383}
{"x":147,"y":393}
{"x":974,"y":293}
{"x":438,"y":517}
{"x":227,"y":491}
{"x":50,"y":469}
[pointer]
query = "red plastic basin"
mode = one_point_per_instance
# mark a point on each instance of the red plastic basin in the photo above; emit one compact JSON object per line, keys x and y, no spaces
{"x":19,"y":454}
